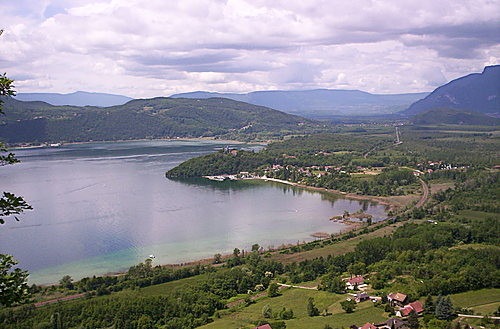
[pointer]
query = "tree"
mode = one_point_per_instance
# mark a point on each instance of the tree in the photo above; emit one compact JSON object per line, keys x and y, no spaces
{"x":429,"y":305}
{"x":66,"y":282}
{"x":444,"y":308}
{"x":9,"y":203}
{"x":236,"y":252}
{"x":56,"y":321}
{"x":312,"y":310}
{"x":145,"y":322}
{"x":333,"y":283}
{"x":357,"y":268}
{"x":413,"y":320}
{"x":348,"y":305}
{"x":217,"y":258}
{"x":13,"y":283}
{"x":438,"y":324}
{"x":284,"y":314}
{"x":255,"y":247}
{"x":267,"y":311}
{"x":272,"y":290}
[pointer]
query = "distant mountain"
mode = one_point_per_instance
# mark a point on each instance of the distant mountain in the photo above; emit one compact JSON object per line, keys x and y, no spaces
{"x":79,"y":98}
{"x":316,"y":103}
{"x":160,"y":117}
{"x":477,"y":92}
{"x":453,"y":116}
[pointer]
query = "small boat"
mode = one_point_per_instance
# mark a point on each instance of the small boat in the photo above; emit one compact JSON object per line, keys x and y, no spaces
{"x":152,"y":256}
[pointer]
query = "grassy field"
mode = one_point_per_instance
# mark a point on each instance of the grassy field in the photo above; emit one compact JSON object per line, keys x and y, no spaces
{"x":334,"y":249}
{"x":169,"y":287}
{"x":478,"y":215}
{"x":482,"y":302}
{"x":296,"y":299}
{"x":478,"y":298}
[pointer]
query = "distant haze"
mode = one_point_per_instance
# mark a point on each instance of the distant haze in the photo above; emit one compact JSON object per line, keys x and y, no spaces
{"x":321,"y":101}
{"x":79,"y":98}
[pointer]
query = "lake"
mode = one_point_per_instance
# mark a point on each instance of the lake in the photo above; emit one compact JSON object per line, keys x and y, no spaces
{"x":103,"y":207}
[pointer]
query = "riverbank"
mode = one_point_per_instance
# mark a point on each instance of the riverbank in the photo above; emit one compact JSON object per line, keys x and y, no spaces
{"x":190,"y":139}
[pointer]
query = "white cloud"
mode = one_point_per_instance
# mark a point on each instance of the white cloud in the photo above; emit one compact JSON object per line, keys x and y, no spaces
{"x":157,"y":47}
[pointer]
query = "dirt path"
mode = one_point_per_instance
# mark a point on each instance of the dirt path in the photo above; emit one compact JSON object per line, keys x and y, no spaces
{"x":62,"y":299}
{"x":425,"y":194}
{"x":478,"y":316}
{"x":301,"y":287}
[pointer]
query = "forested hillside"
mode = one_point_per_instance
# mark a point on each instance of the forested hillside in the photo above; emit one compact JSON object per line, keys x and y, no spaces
{"x":477,"y":92}
{"x":36,"y":122}
{"x":453,"y":116}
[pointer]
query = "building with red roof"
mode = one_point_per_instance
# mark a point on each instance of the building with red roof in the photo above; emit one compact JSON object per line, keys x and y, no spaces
{"x":405,"y":311}
{"x":368,"y":325}
{"x":397,"y":299}
{"x":265,"y":326}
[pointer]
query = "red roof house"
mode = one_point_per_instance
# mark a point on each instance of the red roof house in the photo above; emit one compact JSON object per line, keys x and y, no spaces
{"x":368,"y":325}
{"x":397,"y":298}
{"x":266,"y":326}
{"x":405,"y":311}
{"x":356,"y":280}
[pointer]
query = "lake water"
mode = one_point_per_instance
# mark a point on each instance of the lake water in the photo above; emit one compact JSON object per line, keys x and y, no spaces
{"x":103,"y":207}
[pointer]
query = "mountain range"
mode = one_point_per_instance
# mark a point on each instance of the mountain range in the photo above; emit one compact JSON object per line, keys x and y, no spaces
{"x":309,"y":103}
{"x":477,"y":92}
{"x":161,"y":117}
{"x":318,"y":102}
{"x":78,"y":98}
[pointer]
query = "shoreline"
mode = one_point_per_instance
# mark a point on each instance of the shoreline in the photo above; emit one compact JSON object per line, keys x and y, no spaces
{"x":354,"y":196}
{"x":348,"y":227}
{"x":194,"y":139}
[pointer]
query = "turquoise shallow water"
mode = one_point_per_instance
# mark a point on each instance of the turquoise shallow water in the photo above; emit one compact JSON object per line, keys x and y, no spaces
{"x":102,"y":207}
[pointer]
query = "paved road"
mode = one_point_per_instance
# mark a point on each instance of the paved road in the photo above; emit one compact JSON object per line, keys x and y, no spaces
{"x":478,"y":316}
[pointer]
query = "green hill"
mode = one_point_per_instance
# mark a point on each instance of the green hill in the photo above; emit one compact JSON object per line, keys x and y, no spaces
{"x":453,"y":116}
{"x":147,"y":118}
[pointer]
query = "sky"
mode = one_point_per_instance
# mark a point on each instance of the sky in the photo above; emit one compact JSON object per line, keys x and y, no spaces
{"x":161,"y":47}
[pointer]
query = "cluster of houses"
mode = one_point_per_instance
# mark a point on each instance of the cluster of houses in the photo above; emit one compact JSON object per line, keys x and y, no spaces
{"x":397,"y":300}
{"x":431,"y":166}
{"x":309,"y":171}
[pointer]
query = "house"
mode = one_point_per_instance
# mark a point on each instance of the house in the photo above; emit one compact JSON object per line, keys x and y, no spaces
{"x":355,"y":282}
{"x":405,"y":311}
{"x":361,"y":297}
{"x":265,"y":326}
{"x":397,"y":299}
{"x":393,"y":324}
{"x":368,"y":325}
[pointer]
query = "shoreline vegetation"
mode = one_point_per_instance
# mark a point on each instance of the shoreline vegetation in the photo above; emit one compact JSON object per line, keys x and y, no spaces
{"x":194,"y":139}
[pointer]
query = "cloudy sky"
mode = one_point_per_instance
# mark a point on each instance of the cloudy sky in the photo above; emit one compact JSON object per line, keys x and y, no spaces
{"x":160,"y":47}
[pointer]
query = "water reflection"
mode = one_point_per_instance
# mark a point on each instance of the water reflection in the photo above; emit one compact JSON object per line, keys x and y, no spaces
{"x":104,"y":215}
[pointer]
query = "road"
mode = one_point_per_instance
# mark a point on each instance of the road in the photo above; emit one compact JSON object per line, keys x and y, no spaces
{"x":301,"y":287}
{"x":425,"y":194}
{"x":478,"y":316}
